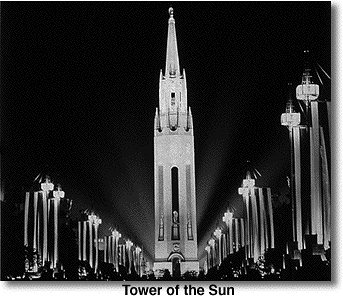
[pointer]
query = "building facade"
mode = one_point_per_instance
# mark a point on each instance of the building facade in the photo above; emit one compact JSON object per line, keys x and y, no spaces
{"x":175,"y":205}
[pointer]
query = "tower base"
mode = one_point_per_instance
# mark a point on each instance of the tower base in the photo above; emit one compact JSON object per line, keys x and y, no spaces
{"x":160,"y":267}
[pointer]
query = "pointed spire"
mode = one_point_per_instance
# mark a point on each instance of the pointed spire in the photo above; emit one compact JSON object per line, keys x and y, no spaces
{"x":172,"y":61}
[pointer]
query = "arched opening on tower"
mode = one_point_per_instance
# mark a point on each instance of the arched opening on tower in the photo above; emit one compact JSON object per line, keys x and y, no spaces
{"x":176,"y":267}
{"x":175,"y":203}
{"x":175,"y":188}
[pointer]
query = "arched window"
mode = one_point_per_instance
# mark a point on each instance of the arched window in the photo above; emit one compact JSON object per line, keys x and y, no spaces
{"x":175,"y":203}
{"x":175,"y":189}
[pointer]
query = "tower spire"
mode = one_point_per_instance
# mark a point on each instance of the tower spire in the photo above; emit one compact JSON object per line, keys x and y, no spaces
{"x":172,"y":61}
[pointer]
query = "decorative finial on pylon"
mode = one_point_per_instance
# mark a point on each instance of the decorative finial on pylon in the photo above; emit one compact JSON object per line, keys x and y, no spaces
{"x":171,"y":11}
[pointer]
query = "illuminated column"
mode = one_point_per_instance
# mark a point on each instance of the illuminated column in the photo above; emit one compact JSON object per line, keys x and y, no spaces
{"x":291,"y":120}
{"x":208,"y":259}
{"x":224,"y":245}
{"x":133,"y":258}
{"x":110,"y":249}
{"x":39,"y":241}
{"x":129,"y":245}
{"x":212,"y":244}
{"x":97,"y":222}
{"x":142,"y":264}
{"x":45,"y":228}
{"x":242,"y":233}
{"x":46,"y":187}
{"x":236,"y":234}
{"x":79,"y":235}
{"x":218,"y":235}
{"x":271,"y":217}
{"x":317,"y":227}
{"x":57,"y":196}
{"x":35,"y":205}
{"x":205,"y":267}
{"x":227,"y":218}
{"x":91,"y":219}
{"x":138,"y":257}
{"x":257,"y":251}
{"x":116,"y":235}
{"x":297,"y":172}
{"x":26,"y":218}
{"x":109,"y":254}
{"x":120,"y":255}
{"x":123,"y":248}
{"x":84,"y":240}
{"x":262,"y":221}
{"x":105,"y":249}
{"x":90,"y":243}
{"x":309,"y":93}
{"x":246,"y":200}
{"x":114,"y":248}
{"x":326,"y":193}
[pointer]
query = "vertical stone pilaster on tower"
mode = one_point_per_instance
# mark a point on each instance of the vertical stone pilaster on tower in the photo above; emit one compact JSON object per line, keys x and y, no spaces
{"x":175,"y":204}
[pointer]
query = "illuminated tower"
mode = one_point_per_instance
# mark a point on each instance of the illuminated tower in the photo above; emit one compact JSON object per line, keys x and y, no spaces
{"x":175,"y":206}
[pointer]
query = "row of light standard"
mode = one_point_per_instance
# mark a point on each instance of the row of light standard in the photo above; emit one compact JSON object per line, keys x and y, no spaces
{"x":314,"y":202}
{"x":254,"y":231}
{"x":310,"y":191}
{"x":114,"y":253}
{"x":221,"y":244}
{"x":47,"y":200}
{"x":36,"y":244}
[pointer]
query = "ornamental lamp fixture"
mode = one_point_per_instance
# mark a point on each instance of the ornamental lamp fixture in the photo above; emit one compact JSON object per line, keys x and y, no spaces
{"x":59,"y":193}
{"x":212,"y":242}
{"x":47,"y":186}
{"x":218,"y":233}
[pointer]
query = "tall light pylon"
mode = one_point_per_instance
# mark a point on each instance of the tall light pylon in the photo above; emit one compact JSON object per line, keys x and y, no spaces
{"x":308,"y":92}
{"x":291,"y":119}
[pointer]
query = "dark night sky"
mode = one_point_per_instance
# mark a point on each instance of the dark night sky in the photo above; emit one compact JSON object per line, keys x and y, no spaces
{"x":80,"y":88}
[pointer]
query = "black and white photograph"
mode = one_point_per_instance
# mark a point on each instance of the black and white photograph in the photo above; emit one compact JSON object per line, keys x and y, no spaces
{"x":116,"y":166}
